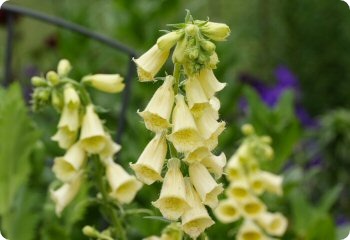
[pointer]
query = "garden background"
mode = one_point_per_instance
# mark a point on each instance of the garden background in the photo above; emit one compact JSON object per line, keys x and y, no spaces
{"x":286,"y":67}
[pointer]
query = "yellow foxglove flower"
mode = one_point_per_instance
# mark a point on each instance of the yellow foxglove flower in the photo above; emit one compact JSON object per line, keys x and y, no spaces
{"x":205,"y":185}
{"x":250,"y":231}
{"x":69,"y":118}
{"x":185,"y":135}
{"x":148,"y":167}
{"x":65,"y":194}
{"x":252,"y":207}
{"x":109,"y":149}
{"x":64,"y":137}
{"x":92,"y":137}
{"x":272,"y":182}
{"x":196,"y":219}
{"x":273,"y":223}
{"x":110,"y":83}
{"x":216,"y":31}
{"x":209,"y":82}
{"x":209,"y":129}
{"x":227,"y":211}
{"x":172,"y":201}
{"x":234,"y":170}
{"x":67,"y":167}
{"x":256,"y":183}
{"x":167,"y":41}
{"x":123,"y":186}
{"x":238,"y":190}
{"x":215,"y":164}
{"x":179,"y":51}
{"x":197,"y":155}
{"x":197,"y":100}
{"x":215,"y":103}
{"x":157,"y":113}
{"x":64,"y":67}
{"x":71,"y":97}
{"x":149,"y":64}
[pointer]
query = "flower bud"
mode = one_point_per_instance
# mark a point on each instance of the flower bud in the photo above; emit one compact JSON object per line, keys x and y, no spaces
{"x":38,"y":82}
{"x":64,"y":67}
{"x":179,"y":51}
{"x":191,"y":30}
{"x":53,"y":78}
{"x":110,"y":83}
{"x":208,"y":46}
{"x":216,"y":31}
{"x":247,"y":129}
{"x":167,"y":41}
{"x":56,"y":100}
{"x":90,"y":232}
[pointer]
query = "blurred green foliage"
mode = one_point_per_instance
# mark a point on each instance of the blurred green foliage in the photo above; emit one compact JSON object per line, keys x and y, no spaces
{"x":311,"y":37}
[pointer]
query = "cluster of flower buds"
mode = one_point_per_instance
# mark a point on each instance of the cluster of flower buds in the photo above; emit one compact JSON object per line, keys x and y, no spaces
{"x":247,"y":183}
{"x":82,"y":134}
{"x":187,"y":98}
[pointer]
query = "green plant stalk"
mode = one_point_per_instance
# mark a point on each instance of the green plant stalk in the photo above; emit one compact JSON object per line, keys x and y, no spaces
{"x":176,"y":75}
{"x":116,"y":223}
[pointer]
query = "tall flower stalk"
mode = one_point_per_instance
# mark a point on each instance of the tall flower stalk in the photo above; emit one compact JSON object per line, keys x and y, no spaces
{"x":183,"y":115}
{"x":247,"y":183}
{"x":89,"y":146}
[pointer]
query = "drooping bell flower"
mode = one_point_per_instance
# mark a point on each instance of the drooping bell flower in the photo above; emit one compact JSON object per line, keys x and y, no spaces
{"x":228,"y":211}
{"x":209,"y":82}
{"x":172,"y":201}
{"x":216,"y":31}
{"x":149,"y":166}
{"x":215,"y":164}
{"x":68,"y":166}
{"x":65,"y":137}
{"x":205,"y":184}
{"x":185,"y":136}
{"x":149,"y":64}
{"x":92,"y":137}
{"x":123,"y":185}
{"x":157,"y":113}
{"x":196,"y":218}
{"x":273,"y":223}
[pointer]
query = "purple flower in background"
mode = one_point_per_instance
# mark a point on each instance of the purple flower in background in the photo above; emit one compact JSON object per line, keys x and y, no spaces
{"x":286,"y":80}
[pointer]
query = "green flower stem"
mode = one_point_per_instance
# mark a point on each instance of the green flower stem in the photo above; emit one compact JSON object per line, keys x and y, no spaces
{"x":107,"y":205}
{"x":176,"y":75}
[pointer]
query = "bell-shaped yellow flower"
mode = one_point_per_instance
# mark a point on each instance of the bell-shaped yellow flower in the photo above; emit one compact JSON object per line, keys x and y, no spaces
{"x":67,"y":167}
{"x":172,"y":201}
{"x":238,"y":190}
{"x":197,"y":100}
{"x":273,"y":223}
{"x":149,"y":166}
{"x":71,"y":97}
{"x":209,"y":82}
{"x":197,"y":155}
{"x":215,"y":164}
{"x":205,"y":184}
{"x":65,"y":137}
{"x":149,"y":64}
{"x":185,"y":136}
{"x":252,"y":207}
{"x":65,"y":194}
{"x":234,"y":169}
{"x":109,"y":149}
{"x":123,"y":186}
{"x":69,"y":118}
{"x":167,"y":41}
{"x":256,"y":183}
{"x":92,"y":137}
{"x":209,"y":129}
{"x":250,"y":231}
{"x":272,"y":182}
{"x":216,"y":31}
{"x":157,"y":113}
{"x":110,"y":83}
{"x":195,"y":219}
{"x":227,"y":211}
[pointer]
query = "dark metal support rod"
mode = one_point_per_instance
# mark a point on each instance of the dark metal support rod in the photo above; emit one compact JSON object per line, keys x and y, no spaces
{"x":126,"y":97}
{"x":9,"y":48}
{"x":67,"y":25}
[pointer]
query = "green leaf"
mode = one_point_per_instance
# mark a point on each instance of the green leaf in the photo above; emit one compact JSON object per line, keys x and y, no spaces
{"x":17,"y":137}
{"x":330,"y":197}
